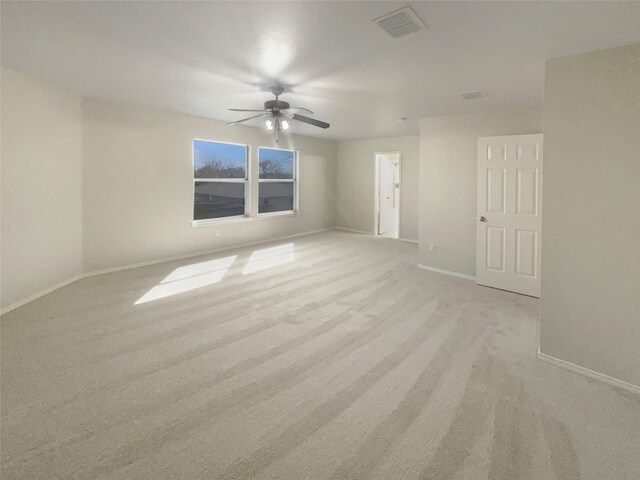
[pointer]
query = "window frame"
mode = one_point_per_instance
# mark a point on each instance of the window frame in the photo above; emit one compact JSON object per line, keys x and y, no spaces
{"x":295,"y":181}
{"x":246,"y":181}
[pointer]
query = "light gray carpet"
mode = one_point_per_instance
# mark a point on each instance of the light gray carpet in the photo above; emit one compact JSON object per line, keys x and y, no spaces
{"x":339,"y":360}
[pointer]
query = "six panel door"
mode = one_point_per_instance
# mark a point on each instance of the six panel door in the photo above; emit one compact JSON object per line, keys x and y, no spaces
{"x":509,"y":213}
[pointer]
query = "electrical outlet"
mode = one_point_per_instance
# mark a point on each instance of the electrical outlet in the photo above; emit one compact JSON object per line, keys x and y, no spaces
{"x":432,"y":247}
{"x":218,"y":233}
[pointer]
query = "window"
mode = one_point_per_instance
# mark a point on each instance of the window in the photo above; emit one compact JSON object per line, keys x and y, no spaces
{"x":277,"y":182}
{"x":220,"y":177}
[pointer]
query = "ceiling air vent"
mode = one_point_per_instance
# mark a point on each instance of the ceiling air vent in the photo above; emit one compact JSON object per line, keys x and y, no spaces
{"x":400,"y":22}
{"x":473,"y":95}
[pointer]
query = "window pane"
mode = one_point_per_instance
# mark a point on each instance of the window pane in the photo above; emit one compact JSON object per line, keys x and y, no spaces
{"x":219,"y":160}
{"x":217,"y":199}
{"x":276,"y":163}
{"x":275,"y":197}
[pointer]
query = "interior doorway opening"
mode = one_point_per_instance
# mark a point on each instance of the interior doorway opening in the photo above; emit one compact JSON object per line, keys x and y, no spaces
{"x":387,"y":197}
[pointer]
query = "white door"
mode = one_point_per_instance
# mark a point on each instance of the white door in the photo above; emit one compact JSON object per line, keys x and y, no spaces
{"x":388,"y":188}
{"x":509,"y":214}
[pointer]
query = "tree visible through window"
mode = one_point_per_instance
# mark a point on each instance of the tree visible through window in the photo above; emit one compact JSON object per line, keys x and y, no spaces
{"x":277,"y":180}
{"x":220,"y":179}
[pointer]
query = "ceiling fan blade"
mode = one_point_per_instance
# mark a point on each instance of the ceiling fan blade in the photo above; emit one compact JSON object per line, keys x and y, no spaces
{"x":310,"y":121}
{"x":300,"y":108}
{"x":245,"y":119}
{"x":243,"y":110}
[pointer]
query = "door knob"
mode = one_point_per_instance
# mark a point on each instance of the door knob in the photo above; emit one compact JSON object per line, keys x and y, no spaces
{"x":482,"y":219}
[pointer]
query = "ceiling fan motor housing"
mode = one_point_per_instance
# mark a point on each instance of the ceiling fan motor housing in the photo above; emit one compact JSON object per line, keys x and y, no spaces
{"x":276,"y":105}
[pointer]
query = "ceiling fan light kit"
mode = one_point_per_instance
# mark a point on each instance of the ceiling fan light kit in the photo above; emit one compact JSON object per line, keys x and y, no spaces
{"x":279,"y":114}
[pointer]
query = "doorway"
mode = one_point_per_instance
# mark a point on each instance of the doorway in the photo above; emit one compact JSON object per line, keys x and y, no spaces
{"x":387,"y":197}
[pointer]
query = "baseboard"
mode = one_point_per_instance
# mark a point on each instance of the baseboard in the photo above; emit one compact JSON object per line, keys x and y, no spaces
{"x":199,"y":254}
{"x":446,"y":272}
{"x":588,"y":373}
{"x":408,"y":240}
{"x":352,"y":230}
{"x":93,"y":273}
{"x":41,"y":293}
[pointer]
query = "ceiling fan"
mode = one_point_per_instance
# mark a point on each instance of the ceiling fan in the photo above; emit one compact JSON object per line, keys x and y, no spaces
{"x":279,"y":114}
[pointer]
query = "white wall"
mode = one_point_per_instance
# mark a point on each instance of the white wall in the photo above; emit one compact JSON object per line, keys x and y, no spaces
{"x":138,"y":185}
{"x":591,"y":212}
{"x":356,"y":183}
{"x":41,"y":168}
{"x":448,"y":169}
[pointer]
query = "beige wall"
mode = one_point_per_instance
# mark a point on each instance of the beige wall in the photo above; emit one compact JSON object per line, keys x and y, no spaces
{"x":591,"y":212}
{"x":138,"y":185}
{"x":448,"y":156}
{"x":356,"y":182}
{"x":41,"y":168}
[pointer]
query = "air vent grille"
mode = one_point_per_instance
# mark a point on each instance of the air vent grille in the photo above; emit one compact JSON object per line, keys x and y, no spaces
{"x":473,"y":95}
{"x":400,"y":22}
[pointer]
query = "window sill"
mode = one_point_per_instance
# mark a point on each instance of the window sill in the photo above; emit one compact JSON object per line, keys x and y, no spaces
{"x":218,"y":221}
{"x":265,"y":216}
{"x":242,"y":219}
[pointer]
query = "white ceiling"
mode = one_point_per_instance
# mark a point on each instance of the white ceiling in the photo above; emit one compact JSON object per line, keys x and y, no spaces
{"x":204,"y":57}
